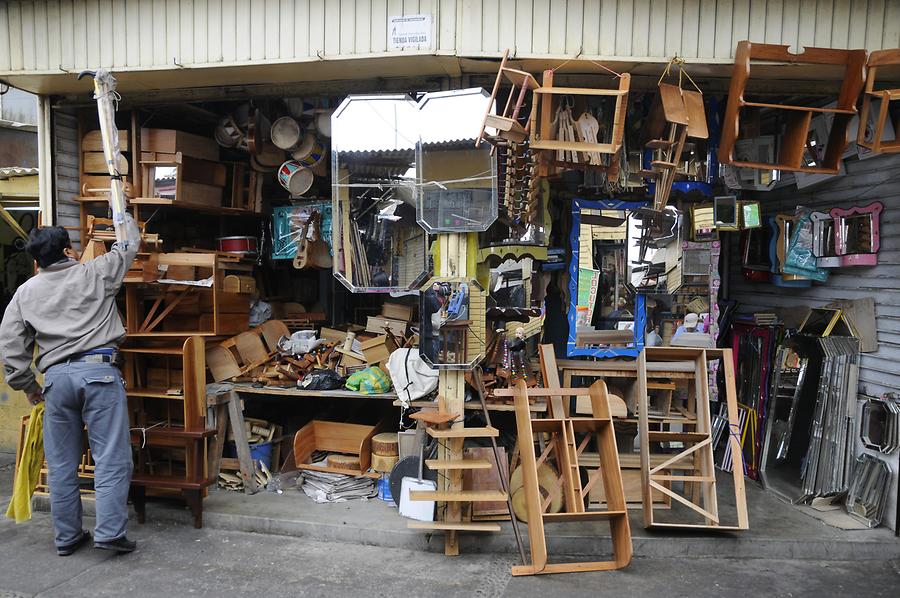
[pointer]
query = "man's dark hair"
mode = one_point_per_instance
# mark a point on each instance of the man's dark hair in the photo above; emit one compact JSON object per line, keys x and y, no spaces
{"x":46,"y":245}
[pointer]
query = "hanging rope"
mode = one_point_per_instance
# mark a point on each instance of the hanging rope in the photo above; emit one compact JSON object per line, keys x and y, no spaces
{"x":594,"y":62}
{"x":682,"y":72}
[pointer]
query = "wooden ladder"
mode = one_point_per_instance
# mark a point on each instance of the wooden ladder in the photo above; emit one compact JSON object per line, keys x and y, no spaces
{"x":458,"y":495}
{"x":475,"y":380}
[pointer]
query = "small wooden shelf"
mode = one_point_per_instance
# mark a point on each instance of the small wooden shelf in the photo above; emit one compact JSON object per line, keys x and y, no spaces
{"x":459,"y":496}
{"x":582,"y":516}
{"x":170,"y":482}
{"x":486,"y":432}
{"x":448,"y":526}
{"x":172,"y":432}
{"x":152,"y":393}
{"x":581,"y":91}
{"x":153,"y":350}
{"x":459,"y":464}
{"x":186,"y":205}
{"x":793,"y":140}
{"x":575,"y":146}
{"x":799,"y":108}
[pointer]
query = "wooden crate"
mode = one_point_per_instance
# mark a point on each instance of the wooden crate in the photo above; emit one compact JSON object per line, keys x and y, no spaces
{"x":334,"y":437}
{"x":170,"y":141}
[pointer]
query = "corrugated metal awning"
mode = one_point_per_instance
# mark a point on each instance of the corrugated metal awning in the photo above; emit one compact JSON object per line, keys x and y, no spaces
{"x":9,"y":172}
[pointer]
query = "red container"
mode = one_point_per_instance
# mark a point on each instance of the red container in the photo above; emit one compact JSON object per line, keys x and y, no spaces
{"x":243,"y":245}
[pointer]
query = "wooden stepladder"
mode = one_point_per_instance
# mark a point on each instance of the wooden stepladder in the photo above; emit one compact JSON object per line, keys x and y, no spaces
{"x":693,"y":486}
{"x":566,"y":448}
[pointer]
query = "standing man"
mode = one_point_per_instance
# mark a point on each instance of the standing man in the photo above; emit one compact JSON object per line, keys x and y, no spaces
{"x":69,"y":310}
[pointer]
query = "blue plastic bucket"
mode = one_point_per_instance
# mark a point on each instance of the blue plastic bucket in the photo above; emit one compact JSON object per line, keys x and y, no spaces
{"x":262,"y":452}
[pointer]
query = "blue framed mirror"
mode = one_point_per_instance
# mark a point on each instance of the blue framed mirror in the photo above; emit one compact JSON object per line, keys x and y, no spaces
{"x":606,"y":318}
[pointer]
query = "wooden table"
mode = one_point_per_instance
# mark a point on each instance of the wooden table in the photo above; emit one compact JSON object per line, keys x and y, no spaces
{"x":226,"y":400}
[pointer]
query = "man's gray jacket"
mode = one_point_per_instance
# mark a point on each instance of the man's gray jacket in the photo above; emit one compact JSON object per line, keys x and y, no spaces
{"x":66,"y":309}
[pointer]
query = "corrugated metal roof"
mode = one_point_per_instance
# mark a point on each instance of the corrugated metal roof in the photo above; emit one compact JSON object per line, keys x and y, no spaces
{"x":9,"y":172}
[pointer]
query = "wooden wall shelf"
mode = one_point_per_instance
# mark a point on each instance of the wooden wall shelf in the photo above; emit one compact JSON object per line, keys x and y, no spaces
{"x":795,"y":138}
{"x":882,"y":99}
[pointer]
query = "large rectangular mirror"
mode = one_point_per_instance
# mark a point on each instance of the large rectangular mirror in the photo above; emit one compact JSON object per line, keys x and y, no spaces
{"x":606,"y":318}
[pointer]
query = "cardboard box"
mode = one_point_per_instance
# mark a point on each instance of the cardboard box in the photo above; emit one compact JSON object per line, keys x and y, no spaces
{"x":377,"y":325}
{"x":332,"y":335}
{"x":377,"y":349}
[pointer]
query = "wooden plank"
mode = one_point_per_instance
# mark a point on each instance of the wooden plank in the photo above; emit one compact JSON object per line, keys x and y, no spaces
{"x":541,"y":22}
{"x":458,"y":496}
{"x":459,"y":464}
{"x":582,"y":516}
{"x":550,"y":374}
{"x":737,"y":455}
{"x":463,"y":527}
{"x":486,"y":432}
{"x":248,"y":468}
{"x":533,"y":501}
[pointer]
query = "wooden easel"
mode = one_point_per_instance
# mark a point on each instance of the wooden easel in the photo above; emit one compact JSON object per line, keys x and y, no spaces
{"x":567,"y":450}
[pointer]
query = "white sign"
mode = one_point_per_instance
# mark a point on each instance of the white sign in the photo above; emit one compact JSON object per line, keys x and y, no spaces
{"x":409,"y":30}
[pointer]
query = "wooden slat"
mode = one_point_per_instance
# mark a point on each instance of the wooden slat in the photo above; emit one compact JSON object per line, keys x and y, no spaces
{"x":464,"y":433}
{"x":463,"y":527}
{"x":458,"y":464}
{"x":583,"y":516}
{"x":458,"y":495}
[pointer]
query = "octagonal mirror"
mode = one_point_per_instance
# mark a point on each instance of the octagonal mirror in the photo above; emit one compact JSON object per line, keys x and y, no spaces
{"x":378,"y":244}
{"x":458,"y":181}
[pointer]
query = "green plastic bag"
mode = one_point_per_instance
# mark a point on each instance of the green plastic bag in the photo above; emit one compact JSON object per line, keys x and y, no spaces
{"x":369,"y":381}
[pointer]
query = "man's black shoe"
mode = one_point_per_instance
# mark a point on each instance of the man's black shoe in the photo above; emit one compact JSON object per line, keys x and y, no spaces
{"x":121,"y":545}
{"x":70,"y":548}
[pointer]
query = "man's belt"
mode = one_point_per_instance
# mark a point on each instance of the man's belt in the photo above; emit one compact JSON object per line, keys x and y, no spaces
{"x":96,"y":356}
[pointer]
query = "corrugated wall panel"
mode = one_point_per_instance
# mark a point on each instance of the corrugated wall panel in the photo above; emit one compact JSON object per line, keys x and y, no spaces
{"x":40,"y":35}
{"x":876,"y":178}
{"x":65,"y":171}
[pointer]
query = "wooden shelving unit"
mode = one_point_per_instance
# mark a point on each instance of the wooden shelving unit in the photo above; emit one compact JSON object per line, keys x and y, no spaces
{"x":166,"y":389}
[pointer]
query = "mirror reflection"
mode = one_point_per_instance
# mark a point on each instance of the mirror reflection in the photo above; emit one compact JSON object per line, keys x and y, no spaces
{"x":605,"y":315}
{"x":452,"y":330}
{"x":163,"y":181}
{"x":458,"y":181}
{"x":379,"y":247}
{"x":654,"y":250}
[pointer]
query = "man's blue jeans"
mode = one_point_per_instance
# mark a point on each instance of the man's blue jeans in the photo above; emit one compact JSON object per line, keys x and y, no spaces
{"x":91,"y":394}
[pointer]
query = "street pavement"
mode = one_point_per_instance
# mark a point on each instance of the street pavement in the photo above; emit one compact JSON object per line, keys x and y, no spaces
{"x":176,"y":560}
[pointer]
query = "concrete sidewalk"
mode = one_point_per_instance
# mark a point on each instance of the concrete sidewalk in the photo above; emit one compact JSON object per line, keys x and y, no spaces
{"x":777,"y":530}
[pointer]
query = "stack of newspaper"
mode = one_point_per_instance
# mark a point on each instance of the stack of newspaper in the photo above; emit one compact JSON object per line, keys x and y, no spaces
{"x":336,"y":487}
